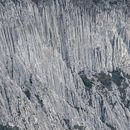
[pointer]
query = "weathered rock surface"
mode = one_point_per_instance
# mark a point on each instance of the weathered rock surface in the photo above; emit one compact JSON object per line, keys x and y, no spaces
{"x":65,"y":64}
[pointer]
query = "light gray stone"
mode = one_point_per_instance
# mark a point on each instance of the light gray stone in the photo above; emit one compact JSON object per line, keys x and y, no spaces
{"x":65,"y":64}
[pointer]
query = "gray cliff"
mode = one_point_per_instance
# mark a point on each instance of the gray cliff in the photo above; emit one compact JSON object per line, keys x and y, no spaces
{"x":65,"y":64}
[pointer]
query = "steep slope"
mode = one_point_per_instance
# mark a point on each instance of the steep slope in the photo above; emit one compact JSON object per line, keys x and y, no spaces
{"x":64,"y":64}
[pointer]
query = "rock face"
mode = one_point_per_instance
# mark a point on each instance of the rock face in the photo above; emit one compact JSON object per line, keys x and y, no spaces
{"x":65,"y":64}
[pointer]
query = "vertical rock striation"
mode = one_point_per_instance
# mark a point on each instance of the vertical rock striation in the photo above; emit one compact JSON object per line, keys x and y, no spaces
{"x":64,"y":64}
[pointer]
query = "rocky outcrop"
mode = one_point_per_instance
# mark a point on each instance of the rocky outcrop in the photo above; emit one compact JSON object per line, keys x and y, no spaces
{"x":64,"y":64}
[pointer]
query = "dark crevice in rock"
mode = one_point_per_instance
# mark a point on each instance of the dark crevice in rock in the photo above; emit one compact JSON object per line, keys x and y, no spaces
{"x":8,"y":100}
{"x":74,"y":104}
{"x":19,"y":112}
{"x":126,"y":75}
{"x":105,"y":80}
{"x":113,"y":104}
{"x":12,"y":69}
{"x":12,"y":40}
{"x":78,"y":127}
{"x":40,"y":4}
{"x":103,"y":115}
{"x":122,"y":90}
{"x":72,"y":97}
{"x":35,"y":1}
{"x":122,"y":105}
{"x":62,"y":30}
{"x":43,"y":2}
{"x":127,"y":104}
{"x":113,"y":3}
{"x":82,"y":3}
{"x":87,"y":82}
{"x":113,"y":51}
{"x":3,"y":2}
{"x":90,"y":99}
{"x":2,"y":127}
{"x":40,"y":101}
{"x":77,"y":108}
{"x":117,"y":77}
{"x":15,"y":1}
{"x":67,"y":122}
{"x":30,"y":79}
{"x":28,"y":94}
{"x":110,"y":126}
{"x":103,"y":110}
{"x":96,"y":1}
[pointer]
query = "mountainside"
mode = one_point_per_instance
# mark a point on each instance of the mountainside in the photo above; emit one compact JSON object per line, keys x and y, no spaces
{"x":64,"y":64}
